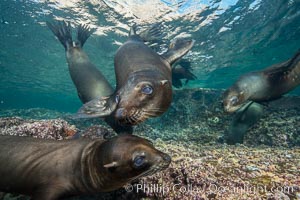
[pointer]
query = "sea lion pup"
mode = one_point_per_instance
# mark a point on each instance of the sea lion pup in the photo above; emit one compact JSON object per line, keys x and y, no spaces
{"x":88,"y":80}
{"x":144,"y":82}
{"x":243,"y":119}
{"x":265,"y":85}
{"x":49,"y":169}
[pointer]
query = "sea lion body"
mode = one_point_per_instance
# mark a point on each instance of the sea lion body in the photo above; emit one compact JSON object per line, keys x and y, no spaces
{"x":48,"y":169}
{"x":243,"y":119}
{"x":265,"y":85}
{"x":182,"y":70}
{"x":88,"y":80}
{"x":144,"y":82}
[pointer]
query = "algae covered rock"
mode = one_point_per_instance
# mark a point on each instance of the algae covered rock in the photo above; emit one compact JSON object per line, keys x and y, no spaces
{"x":197,"y":116}
{"x":48,"y":129}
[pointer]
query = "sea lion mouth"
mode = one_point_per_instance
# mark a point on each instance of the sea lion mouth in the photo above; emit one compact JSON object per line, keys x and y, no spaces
{"x":231,"y":109}
{"x":236,"y":108}
{"x":137,"y":116}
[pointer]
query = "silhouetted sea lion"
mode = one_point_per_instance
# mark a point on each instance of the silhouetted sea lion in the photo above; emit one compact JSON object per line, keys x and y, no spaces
{"x":88,"y":80}
{"x":182,"y":70}
{"x":144,"y":82}
{"x":265,"y":85}
{"x":244,"y":118}
{"x":49,"y":169}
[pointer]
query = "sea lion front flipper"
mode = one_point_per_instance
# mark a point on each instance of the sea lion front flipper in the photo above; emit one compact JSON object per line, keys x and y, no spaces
{"x":177,"y":50}
{"x":182,"y":70}
{"x":245,"y":117}
{"x":100,"y":107}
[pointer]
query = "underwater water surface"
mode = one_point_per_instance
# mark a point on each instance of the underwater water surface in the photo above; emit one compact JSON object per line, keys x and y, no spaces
{"x":255,"y":148}
{"x":232,"y":37}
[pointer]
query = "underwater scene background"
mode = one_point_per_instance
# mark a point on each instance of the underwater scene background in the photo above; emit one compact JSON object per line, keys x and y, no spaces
{"x":232,"y":37}
{"x":214,"y":155}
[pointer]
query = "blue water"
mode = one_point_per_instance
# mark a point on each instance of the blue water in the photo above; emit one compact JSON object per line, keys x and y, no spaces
{"x":232,"y":37}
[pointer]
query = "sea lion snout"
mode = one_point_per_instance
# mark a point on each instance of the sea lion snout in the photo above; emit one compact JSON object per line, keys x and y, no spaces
{"x":229,"y":104}
{"x":164,"y":158}
{"x":119,"y":113}
{"x":233,"y":99}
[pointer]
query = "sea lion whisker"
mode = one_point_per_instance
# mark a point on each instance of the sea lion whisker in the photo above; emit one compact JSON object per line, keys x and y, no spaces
{"x":132,"y":119}
{"x":150,"y":114}
{"x":154,"y":111}
{"x":128,"y":120}
{"x":146,"y":173}
{"x":135,"y":120}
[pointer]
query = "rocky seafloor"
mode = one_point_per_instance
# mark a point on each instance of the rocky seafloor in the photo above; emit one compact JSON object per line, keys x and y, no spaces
{"x":194,"y":132}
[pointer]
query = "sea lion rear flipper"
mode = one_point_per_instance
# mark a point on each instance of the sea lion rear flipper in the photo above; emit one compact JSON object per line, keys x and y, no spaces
{"x":100,"y":107}
{"x":83,"y":33}
{"x":62,"y":31}
{"x":178,"y":49}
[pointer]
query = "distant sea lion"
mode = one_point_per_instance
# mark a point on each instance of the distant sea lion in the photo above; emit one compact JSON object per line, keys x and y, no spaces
{"x":88,"y":80}
{"x":49,"y":169}
{"x":265,"y":85}
{"x":182,"y":70}
{"x":144,"y":82}
{"x":244,"y":118}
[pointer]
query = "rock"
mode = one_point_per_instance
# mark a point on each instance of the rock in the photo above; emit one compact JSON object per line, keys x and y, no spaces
{"x":50,"y":129}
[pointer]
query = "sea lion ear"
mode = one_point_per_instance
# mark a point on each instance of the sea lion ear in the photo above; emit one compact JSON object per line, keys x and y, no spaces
{"x":112,"y":164}
{"x":100,"y":107}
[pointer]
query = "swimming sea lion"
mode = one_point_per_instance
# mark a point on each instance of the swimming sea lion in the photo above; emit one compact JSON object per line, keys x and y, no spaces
{"x":265,"y":85}
{"x":182,"y":70}
{"x":88,"y":80}
{"x":244,"y":118}
{"x":49,"y":169}
{"x":144,"y":82}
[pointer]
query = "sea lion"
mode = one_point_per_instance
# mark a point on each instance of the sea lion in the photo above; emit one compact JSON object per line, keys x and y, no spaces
{"x":182,"y":70}
{"x":88,"y":80}
{"x":265,"y":85}
{"x":49,"y":169}
{"x":244,"y":118}
{"x":144,"y":82}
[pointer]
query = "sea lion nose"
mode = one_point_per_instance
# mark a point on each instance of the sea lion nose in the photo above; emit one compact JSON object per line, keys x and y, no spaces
{"x":119,"y":113}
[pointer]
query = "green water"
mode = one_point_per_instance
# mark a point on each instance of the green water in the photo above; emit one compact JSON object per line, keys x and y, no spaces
{"x":232,"y":37}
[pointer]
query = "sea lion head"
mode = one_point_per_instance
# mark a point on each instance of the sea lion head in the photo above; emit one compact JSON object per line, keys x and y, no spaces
{"x":145,"y":94}
{"x":233,"y":99}
{"x":127,"y":157}
{"x":142,"y":97}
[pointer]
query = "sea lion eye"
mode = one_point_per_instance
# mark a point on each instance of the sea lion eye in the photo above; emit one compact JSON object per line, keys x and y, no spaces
{"x":139,"y":161}
{"x":233,"y":100}
{"x":117,"y":98}
{"x":147,"y":89}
